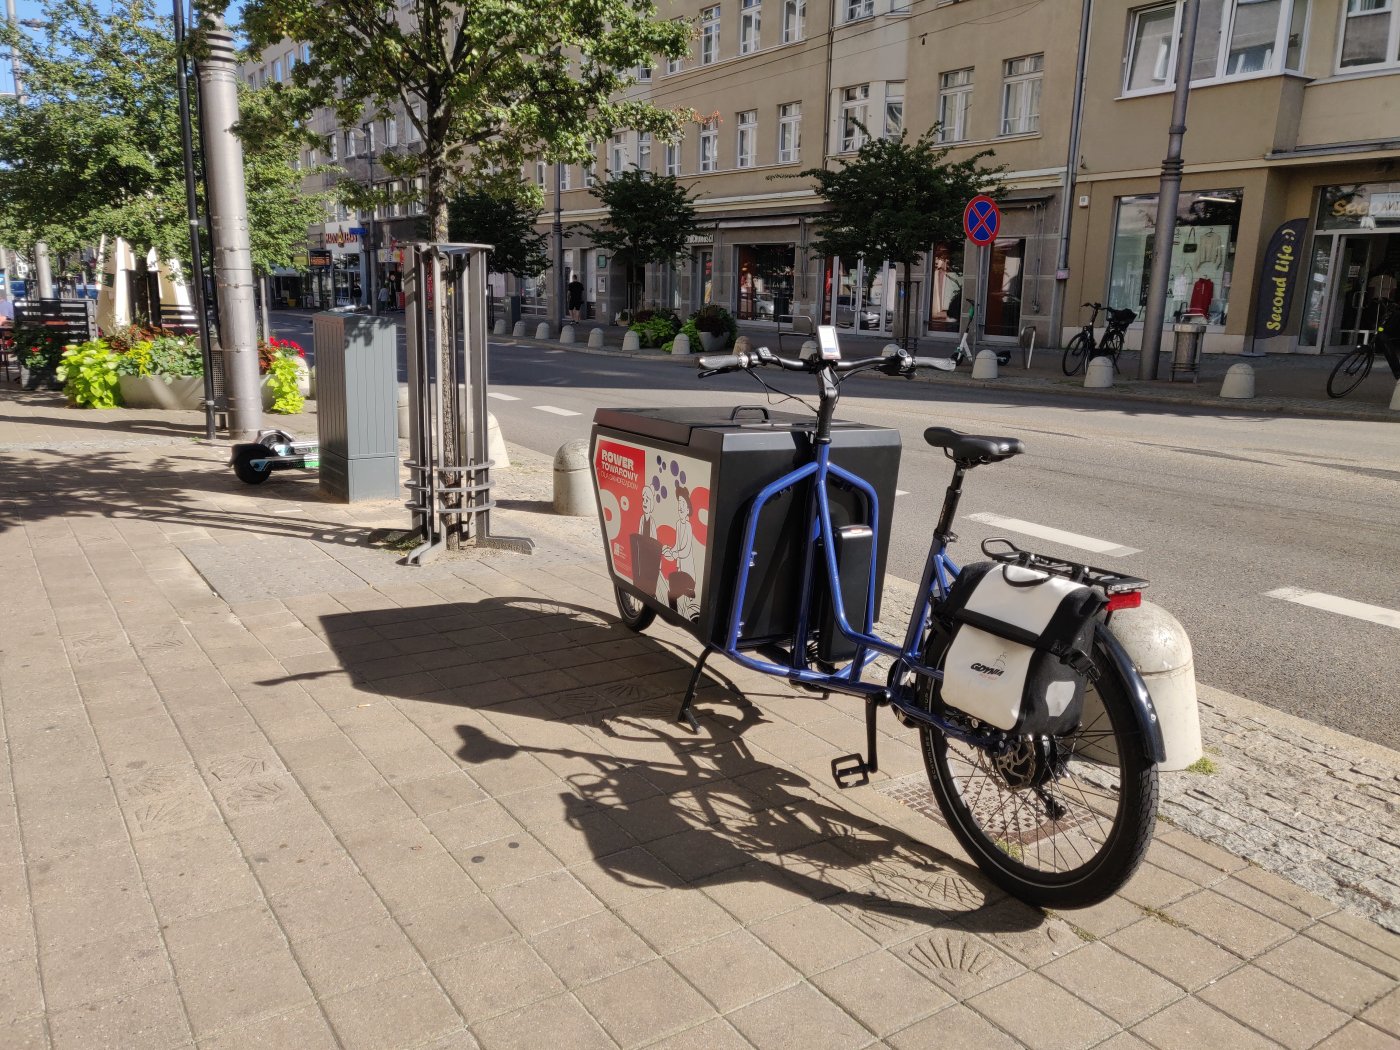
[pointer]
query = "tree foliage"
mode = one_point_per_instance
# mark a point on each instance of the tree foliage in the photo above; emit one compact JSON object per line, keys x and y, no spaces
{"x":505,"y":218}
{"x":94,"y":147}
{"x":488,"y":84}
{"x":897,"y":198}
{"x":651,"y":218}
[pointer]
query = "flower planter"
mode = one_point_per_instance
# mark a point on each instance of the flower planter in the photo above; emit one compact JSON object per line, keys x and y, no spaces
{"x":167,"y":392}
{"x":712,"y":343}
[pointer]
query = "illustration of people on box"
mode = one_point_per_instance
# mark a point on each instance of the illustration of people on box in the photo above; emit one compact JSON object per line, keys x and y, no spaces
{"x":656,"y":513}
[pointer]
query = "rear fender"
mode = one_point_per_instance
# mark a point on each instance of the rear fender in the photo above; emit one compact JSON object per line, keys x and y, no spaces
{"x":1139,"y":698}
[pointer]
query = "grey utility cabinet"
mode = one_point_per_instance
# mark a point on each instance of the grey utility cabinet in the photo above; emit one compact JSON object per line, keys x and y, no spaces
{"x":357,"y":406}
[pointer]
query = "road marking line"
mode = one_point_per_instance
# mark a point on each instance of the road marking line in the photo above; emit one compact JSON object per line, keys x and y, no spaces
{"x":1343,"y":606}
{"x":555,"y":411}
{"x":1045,"y":532}
{"x":503,"y":397}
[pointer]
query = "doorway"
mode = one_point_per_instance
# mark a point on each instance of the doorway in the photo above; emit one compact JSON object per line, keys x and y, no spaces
{"x":1349,"y":280}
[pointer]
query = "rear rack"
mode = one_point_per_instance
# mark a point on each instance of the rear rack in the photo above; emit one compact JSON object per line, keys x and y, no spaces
{"x":1111,"y":582}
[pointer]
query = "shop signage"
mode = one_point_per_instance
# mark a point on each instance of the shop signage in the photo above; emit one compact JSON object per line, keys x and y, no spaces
{"x":320,"y":259}
{"x":1362,"y":206}
{"x":341,"y":237}
{"x":1278,"y":277}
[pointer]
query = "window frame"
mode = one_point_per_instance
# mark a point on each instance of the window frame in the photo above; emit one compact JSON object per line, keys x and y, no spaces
{"x":790,"y":122}
{"x":709,"y":137}
{"x":849,"y":106}
{"x":1029,"y":85}
{"x":956,"y":91}
{"x":617,"y":153}
{"x":750,"y":26}
{"x":746,"y":133}
{"x":1392,"y":40}
{"x":894,"y":100}
{"x":644,"y":151}
{"x":856,"y":10}
{"x":709,"y":35}
{"x":675,"y":65}
{"x":794,"y":29}
{"x":672,"y":159}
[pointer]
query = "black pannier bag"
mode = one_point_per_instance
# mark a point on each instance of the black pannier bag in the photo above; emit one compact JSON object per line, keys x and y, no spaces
{"x":1020,"y":650}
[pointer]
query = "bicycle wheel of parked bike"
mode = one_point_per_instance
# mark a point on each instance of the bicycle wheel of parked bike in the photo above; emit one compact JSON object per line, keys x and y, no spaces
{"x":1056,"y":821}
{"x":1112,"y":346}
{"x":1349,"y":372}
{"x":633,"y":612}
{"x":1075,"y":354}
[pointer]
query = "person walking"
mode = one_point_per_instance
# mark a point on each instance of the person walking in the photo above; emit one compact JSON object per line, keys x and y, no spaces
{"x":384,"y":299}
{"x":575,"y":290}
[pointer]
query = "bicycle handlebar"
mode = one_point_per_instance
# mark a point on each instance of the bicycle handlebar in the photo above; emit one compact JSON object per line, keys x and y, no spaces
{"x":899,"y":362}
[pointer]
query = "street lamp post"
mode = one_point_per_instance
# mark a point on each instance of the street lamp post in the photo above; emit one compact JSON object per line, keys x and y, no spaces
{"x":370,"y":254}
{"x":561,"y":279}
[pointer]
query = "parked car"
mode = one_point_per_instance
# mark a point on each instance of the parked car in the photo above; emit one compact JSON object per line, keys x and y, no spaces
{"x":845,"y":314}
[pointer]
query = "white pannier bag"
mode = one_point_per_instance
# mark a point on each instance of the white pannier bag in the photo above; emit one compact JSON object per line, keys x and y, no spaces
{"x":1021,"y":647}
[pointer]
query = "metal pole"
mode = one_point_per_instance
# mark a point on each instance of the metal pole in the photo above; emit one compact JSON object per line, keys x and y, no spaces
{"x":1076,"y":119}
{"x":14,"y":53}
{"x":42,"y":271}
{"x":1154,"y":316}
{"x":228,"y":214}
{"x":192,"y":216}
{"x":561,"y":279}
{"x":371,"y":256}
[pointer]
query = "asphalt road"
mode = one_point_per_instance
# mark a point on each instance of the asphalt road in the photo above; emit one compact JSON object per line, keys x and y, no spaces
{"x":1218,"y":509}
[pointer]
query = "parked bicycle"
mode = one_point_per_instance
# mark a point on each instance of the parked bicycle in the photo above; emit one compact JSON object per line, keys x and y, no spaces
{"x":1038,"y":735}
{"x":1084,"y":347}
{"x":1356,"y":365}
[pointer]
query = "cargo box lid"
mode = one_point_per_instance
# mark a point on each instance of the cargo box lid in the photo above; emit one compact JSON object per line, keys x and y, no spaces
{"x":676,"y":424}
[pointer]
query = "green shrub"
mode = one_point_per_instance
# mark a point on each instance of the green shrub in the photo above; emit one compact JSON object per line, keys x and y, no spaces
{"x":89,"y":375}
{"x":136,"y":361}
{"x":176,"y":355}
{"x":716,"y":320}
{"x":38,"y":349}
{"x":655,"y":329}
{"x":282,"y":377}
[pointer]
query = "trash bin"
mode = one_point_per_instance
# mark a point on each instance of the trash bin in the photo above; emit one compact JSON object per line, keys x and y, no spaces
{"x":674,"y":487}
{"x":1186,"y":353}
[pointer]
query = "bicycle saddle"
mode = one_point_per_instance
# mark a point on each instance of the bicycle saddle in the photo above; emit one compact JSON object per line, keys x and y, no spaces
{"x":970,"y":450}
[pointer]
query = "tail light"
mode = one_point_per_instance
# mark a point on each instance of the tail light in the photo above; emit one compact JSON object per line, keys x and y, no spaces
{"x":1124,"y":600}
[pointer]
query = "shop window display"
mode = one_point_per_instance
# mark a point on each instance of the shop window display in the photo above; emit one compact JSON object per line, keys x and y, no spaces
{"x":1203,"y":254}
{"x":765,"y":281}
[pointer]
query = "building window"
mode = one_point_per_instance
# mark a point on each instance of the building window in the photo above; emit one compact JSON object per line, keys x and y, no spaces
{"x":894,"y":109}
{"x":391,"y":131}
{"x":1237,"y":38}
{"x":709,"y":35}
{"x":954,"y":105}
{"x":673,"y":65}
{"x":411,"y":131}
{"x":566,"y":175}
{"x":277,"y":69}
{"x":644,"y":74}
{"x":1202,"y":258}
{"x":1150,"y":48}
{"x":750,"y":18}
{"x":794,"y":20}
{"x":709,"y":150}
{"x":1020,"y":95}
{"x":590,"y":167}
{"x":673,"y":158}
{"x":540,"y":169}
{"x":332,"y":142}
{"x":854,"y":103}
{"x":1369,"y":32}
{"x":617,"y":155}
{"x":747,"y":139}
{"x":644,"y":150}
{"x":765,"y":275}
{"x":789,"y":133}
{"x":351,"y":144}
{"x":418,"y":207}
{"x":859,"y":9}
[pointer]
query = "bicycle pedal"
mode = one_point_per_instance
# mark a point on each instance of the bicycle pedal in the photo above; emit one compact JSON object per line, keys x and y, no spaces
{"x":850,"y":771}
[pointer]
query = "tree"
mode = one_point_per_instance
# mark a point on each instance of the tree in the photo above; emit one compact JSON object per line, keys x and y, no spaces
{"x":485,"y":85}
{"x":94,"y":148}
{"x":896,"y":199}
{"x":651,"y":219}
{"x":505,"y":218}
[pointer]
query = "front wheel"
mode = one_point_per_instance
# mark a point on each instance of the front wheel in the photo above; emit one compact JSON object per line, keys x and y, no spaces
{"x":1079,"y":347}
{"x":1056,"y":821}
{"x":634,"y":612}
{"x":1349,"y":372}
{"x":1112,"y":346}
{"x":246,"y":470}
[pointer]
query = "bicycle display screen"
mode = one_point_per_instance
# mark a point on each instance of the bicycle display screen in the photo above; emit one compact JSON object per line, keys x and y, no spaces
{"x":826,"y":338}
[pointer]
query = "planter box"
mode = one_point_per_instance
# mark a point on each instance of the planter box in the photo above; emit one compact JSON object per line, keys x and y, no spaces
{"x":168,"y":392}
{"x":712,"y":343}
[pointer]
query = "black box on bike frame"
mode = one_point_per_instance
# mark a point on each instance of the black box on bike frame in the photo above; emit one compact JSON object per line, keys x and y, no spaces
{"x":674,"y":488}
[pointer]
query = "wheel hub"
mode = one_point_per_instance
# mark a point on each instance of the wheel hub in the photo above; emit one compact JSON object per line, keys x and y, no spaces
{"x":1030,"y":763}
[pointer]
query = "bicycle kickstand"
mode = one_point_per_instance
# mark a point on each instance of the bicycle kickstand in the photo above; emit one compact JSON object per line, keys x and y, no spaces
{"x":685,"y":715}
{"x":854,"y":770}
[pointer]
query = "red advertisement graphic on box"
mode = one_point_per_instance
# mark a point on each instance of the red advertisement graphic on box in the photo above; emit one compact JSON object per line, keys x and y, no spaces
{"x":656,"y":514}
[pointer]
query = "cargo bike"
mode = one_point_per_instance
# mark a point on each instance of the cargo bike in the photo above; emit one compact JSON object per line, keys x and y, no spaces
{"x":765,"y":535}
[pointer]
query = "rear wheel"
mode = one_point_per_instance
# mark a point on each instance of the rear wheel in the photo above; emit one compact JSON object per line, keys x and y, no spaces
{"x":1349,"y":372}
{"x":1057,"y":821}
{"x":633,"y":611}
{"x":1112,"y":346}
{"x":1075,"y":353}
{"x":245,"y":470}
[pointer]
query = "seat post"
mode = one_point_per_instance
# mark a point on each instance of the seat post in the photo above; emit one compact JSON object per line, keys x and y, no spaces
{"x":944,"y":531}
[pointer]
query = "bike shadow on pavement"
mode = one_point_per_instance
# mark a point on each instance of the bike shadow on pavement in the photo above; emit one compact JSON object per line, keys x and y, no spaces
{"x":548,"y":697}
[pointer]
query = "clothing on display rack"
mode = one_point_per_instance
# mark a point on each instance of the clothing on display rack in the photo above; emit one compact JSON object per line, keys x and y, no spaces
{"x":1202,"y":295}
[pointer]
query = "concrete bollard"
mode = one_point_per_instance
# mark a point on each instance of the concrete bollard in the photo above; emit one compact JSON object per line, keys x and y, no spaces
{"x":984,"y":365}
{"x":1395,"y":398}
{"x":1239,"y":382}
{"x":543,"y":330}
{"x":1161,"y":651}
{"x":499,"y":328}
{"x":403,"y":411}
{"x":519,"y":330}
{"x":573,"y":485}
{"x":566,"y":335}
{"x":681,"y":344}
{"x":311,"y":383}
{"x":1099,"y":374}
{"x":809,"y":349}
{"x":631,"y":343}
{"x":595,"y":339}
{"x":496,"y":443}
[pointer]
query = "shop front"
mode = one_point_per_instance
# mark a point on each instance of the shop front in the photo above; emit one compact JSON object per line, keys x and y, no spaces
{"x":765,"y":280}
{"x":1353,"y":265}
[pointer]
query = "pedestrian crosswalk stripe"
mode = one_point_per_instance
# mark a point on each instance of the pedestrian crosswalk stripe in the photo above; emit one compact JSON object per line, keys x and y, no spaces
{"x":1045,"y":532}
{"x":555,"y":411}
{"x":502,"y":397}
{"x":1342,"y":606}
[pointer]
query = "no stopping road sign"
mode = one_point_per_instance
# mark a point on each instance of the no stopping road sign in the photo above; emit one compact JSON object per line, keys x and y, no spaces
{"x":981,"y":220}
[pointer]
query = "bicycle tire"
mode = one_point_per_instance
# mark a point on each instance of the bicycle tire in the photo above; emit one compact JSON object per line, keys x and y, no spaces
{"x":1349,"y":372}
{"x":1008,"y":839}
{"x":634,"y":613}
{"x":1075,"y":353}
{"x":1111,"y":346}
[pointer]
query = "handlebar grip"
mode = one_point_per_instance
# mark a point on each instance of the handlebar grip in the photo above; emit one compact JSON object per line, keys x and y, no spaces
{"x":943,"y":364}
{"x":722,"y":362}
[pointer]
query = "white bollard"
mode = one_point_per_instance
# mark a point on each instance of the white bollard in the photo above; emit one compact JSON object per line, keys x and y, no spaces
{"x":984,"y":365}
{"x":595,"y":339}
{"x":681,"y":344}
{"x":1161,"y":650}
{"x":543,"y":330}
{"x":631,"y":342}
{"x":1395,"y":398}
{"x":566,"y":335}
{"x":496,"y":443}
{"x":1099,"y":374}
{"x":573,"y":484}
{"x":1239,"y":382}
{"x":499,"y":328}
{"x":519,"y":330}
{"x":809,"y":349}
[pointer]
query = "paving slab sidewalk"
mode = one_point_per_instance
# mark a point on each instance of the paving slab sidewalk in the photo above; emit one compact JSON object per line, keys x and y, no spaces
{"x":260,"y":786}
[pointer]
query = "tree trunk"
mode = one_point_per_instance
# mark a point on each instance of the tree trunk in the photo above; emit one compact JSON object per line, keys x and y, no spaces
{"x":908,"y":303}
